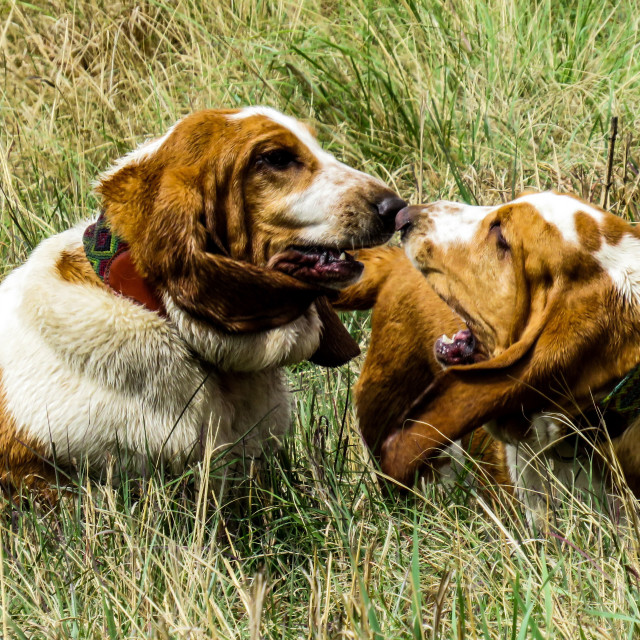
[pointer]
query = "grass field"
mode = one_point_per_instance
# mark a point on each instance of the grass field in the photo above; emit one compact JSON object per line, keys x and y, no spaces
{"x":443,"y":99}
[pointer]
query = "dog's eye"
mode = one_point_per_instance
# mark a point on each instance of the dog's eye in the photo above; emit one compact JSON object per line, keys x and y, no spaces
{"x":495,"y":230}
{"x":277,"y":159}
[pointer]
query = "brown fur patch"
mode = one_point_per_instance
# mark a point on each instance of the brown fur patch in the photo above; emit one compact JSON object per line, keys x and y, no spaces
{"x":588,"y":231}
{"x":23,"y":461}
{"x":613,"y":229}
{"x":74,"y":267}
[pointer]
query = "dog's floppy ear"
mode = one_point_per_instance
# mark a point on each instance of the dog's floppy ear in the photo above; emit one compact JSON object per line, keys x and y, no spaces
{"x":455,"y":404}
{"x":459,"y":386}
{"x":238,"y":297}
{"x":173,"y":219}
{"x":337,"y":346}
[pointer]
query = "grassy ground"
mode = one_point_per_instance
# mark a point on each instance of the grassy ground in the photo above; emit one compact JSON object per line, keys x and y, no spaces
{"x":463,"y":100}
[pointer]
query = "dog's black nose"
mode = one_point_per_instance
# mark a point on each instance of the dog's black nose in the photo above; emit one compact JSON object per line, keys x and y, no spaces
{"x":406,"y":217}
{"x":389,"y":206}
{"x":403,"y":219}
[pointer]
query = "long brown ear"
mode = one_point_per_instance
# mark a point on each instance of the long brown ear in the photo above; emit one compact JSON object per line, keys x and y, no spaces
{"x":337,"y":346}
{"x":454,"y":405}
{"x":238,"y":297}
{"x":167,"y":217}
{"x":378,"y":262}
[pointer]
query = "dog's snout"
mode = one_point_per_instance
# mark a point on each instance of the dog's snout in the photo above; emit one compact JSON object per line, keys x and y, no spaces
{"x":389,"y":206}
{"x":406,"y":217}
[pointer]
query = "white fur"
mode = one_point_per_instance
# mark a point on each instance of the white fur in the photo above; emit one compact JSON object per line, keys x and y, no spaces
{"x":457,"y":223}
{"x":453,"y":222}
{"x":622,"y":262}
{"x":560,"y":211}
{"x":92,"y":374}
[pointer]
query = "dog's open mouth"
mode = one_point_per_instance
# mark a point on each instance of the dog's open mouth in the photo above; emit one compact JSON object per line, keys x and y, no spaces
{"x":460,"y":349}
{"x":318,"y":265}
{"x":464,"y":347}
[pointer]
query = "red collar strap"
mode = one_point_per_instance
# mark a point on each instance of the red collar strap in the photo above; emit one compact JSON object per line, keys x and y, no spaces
{"x":110,"y":258}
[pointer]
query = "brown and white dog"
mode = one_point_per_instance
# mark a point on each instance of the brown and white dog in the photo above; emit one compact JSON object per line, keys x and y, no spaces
{"x":542,"y":298}
{"x":230,"y":230}
{"x":549,"y":288}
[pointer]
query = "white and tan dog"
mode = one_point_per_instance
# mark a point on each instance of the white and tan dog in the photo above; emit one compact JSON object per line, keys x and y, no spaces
{"x":166,"y":322}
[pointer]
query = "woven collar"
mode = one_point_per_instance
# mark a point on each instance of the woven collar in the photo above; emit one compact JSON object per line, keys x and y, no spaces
{"x":625,"y":397}
{"x":110,"y":258}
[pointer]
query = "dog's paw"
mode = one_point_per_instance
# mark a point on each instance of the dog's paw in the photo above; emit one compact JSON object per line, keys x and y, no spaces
{"x":545,"y":431}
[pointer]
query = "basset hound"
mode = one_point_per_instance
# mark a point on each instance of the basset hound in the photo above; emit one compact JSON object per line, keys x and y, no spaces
{"x":163,"y":324}
{"x":541,"y":300}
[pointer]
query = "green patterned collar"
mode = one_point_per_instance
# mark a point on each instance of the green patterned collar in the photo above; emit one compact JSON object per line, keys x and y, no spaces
{"x":102,"y":246}
{"x":111,"y":259}
{"x":625,"y":397}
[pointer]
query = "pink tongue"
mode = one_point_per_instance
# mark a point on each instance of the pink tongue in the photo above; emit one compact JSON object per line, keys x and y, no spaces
{"x":460,"y":351}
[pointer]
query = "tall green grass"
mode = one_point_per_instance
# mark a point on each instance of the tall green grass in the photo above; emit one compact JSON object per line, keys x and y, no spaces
{"x":473,"y":101}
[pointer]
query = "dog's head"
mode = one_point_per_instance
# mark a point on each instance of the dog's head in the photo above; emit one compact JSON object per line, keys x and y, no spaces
{"x":545,"y":267}
{"x":549,"y":287}
{"x":242,"y":219}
